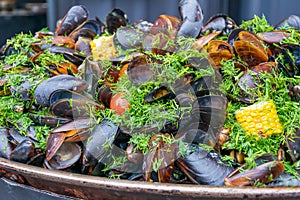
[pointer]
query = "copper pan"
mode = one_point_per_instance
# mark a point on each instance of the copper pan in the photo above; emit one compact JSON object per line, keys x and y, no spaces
{"x":91,"y":187}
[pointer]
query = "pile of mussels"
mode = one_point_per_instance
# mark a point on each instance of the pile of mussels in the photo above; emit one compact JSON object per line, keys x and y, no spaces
{"x":75,"y":99}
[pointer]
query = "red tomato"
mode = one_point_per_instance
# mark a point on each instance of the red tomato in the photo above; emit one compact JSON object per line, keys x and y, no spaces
{"x":119,"y":104}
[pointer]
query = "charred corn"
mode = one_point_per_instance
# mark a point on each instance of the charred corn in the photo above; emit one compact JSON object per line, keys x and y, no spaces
{"x":260,"y":118}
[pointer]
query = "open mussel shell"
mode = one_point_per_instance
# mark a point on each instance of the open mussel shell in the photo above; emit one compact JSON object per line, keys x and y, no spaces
{"x":66,"y":103}
{"x":250,"y":53}
{"x":66,"y":156}
{"x":160,"y":93}
{"x":166,"y":24}
{"x":89,"y":29}
{"x":219,"y":22}
{"x":218,"y":51}
{"x":71,"y":55}
{"x":128,"y":38}
{"x":74,"y":17}
{"x":287,"y":64}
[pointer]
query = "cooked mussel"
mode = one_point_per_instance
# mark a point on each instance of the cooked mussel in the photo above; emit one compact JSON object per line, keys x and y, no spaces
{"x":290,"y":21}
{"x":74,"y":17}
{"x":115,"y":19}
{"x":219,"y":22}
{"x":67,"y":103}
{"x":192,"y":18}
{"x":203,"y":167}
{"x":46,"y":88}
{"x":66,"y":156}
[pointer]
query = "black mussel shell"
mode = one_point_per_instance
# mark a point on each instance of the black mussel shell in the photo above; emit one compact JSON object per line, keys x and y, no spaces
{"x":23,"y":151}
{"x":115,"y":19}
{"x":74,"y":17}
{"x":128,"y":38}
{"x":219,"y":22}
{"x":290,"y":21}
{"x":160,"y":93}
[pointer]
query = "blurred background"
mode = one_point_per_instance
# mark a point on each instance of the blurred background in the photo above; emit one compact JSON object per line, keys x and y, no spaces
{"x":32,"y":15}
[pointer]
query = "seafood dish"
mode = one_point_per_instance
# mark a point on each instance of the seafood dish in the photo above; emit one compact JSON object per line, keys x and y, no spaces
{"x":176,"y":101}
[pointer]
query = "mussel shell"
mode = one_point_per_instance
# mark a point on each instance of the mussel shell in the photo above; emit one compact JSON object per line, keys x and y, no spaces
{"x":139,"y":70}
{"x":290,"y":21}
{"x":67,"y":155}
{"x":287,"y":65}
{"x":74,"y":17}
{"x":115,"y":19}
{"x":203,"y":167}
{"x":103,"y":133}
{"x":128,"y":38}
{"x":5,"y":146}
{"x":190,"y":9}
{"x":104,"y":95}
{"x":166,"y":24}
{"x":66,"y":103}
{"x":53,"y":142}
{"x":46,"y":88}
{"x":23,"y":151}
{"x":22,"y":91}
{"x":234,"y":36}
{"x":70,"y":108}
{"x":293,"y":145}
{"x":273,"y":36}
{"x":89,"y":29}
{"x":263,"y":173}
{"x":82,"y":123}
{"x":189,"y":29}
{"x":160,"y":93}
{"x":218,"y":51}
{"x":51,"y":121}
{"x":83,"y":46}
{"x":219,"y":22}
{"x":192,"y":16}
{"x":15,"y":137}
{"x":71,"y":55}
{"x":249,"y":53}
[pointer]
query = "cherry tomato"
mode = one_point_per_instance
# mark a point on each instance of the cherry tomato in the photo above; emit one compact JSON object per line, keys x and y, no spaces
{"x":119,"y":103}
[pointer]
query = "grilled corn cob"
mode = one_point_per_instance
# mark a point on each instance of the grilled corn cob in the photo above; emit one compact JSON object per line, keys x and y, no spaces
{"x":260,"y":118}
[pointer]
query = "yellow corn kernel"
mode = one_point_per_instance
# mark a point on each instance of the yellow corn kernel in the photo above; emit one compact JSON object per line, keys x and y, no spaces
{"x":260,"y":118}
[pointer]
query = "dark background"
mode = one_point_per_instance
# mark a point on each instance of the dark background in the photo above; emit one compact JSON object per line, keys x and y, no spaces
{"x":19,"y":21}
